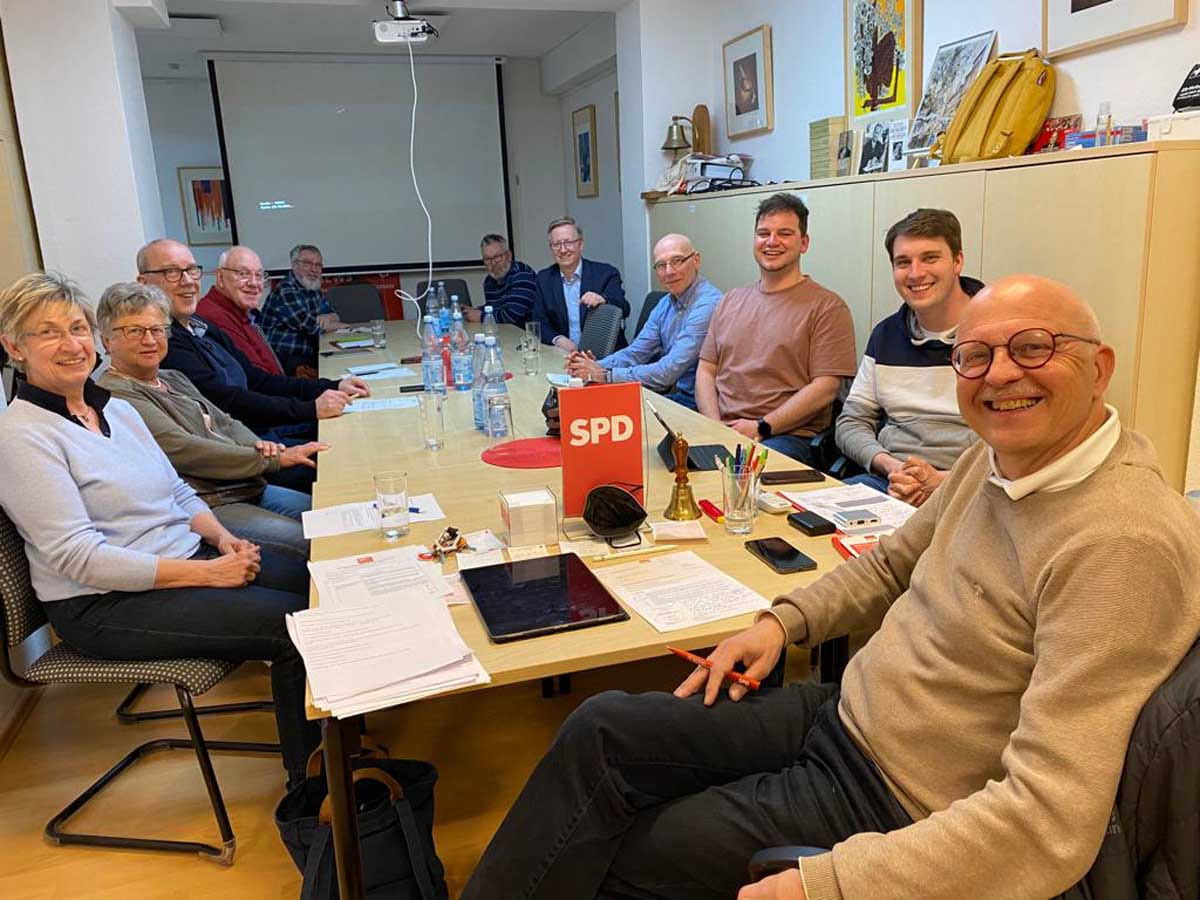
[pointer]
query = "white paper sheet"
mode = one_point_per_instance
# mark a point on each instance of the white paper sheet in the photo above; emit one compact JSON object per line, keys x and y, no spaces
{"x":372,"y":368}
{"x":585,"y":548}
{"x":363,"y":516}
{"x":892,"y":512}
{"x":678,"y":531}
{"x":353,"y":343}
{"x":356,"y":580}
{"x":376,"y":404}
{"x":388,"y":375}
{"x":488,"y":551}
{"x":679,"y":590}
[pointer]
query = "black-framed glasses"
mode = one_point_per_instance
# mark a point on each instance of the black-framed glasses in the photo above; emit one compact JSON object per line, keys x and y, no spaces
{"x":565,"y":244}
{"x":173,"y":274}
{"x":495,"y":257}
{"x":137,"y":332}
{"x":674,"y":262}
{"x":1030,"y":348}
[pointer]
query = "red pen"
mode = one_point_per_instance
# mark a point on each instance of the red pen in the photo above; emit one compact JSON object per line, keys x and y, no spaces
{"x":744,"y":680}
{"x":712,"y":511}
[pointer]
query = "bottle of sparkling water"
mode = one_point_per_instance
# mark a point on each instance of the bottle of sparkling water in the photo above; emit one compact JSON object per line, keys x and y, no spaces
{"x":494,"y":386}
{"x":460,"y":354}
{"x":477,"y":383}
{"x":443,"y":309}
{"x":431,"y":357}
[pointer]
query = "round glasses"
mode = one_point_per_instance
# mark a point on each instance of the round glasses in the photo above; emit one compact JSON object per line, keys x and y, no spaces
{"x":1030,"y":348}
{"x":174,"y":274}
{"x":674,"y":262}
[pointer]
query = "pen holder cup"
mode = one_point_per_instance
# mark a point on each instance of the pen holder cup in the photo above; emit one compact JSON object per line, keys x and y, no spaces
{"x":739,"y":493}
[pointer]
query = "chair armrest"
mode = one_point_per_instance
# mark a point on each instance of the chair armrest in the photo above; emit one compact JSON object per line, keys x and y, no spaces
{"x":774,"y":860}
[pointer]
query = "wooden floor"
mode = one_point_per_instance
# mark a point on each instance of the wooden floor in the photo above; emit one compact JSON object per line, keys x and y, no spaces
{"x":484,"y":743}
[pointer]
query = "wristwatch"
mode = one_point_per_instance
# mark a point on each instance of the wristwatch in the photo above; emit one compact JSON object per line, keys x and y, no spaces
{"x":764,"y":429}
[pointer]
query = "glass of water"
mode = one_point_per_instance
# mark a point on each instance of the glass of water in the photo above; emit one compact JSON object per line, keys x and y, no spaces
{"x":391,"y":495}
{"x":433,"y":421}
{"x":499,"y":419}
{"x":379,"y":334}
{"x":531,"y":350}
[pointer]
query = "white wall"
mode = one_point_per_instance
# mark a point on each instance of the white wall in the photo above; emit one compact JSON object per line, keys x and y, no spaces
{"x":184,"y":132}
{"x":599,"y":216}
{"x":635,"y":221}
{"x":583,"y":56}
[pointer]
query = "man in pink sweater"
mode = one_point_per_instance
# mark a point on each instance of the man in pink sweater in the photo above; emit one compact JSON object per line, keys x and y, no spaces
{"x":1022,"y":617}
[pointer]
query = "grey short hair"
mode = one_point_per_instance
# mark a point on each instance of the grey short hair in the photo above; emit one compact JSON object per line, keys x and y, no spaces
{"x":28,"y":293}
{"x":564,"y":220}
{"x":143,"y":255}
{"x":489,"y":239}
{"x":294,"y":253}
{"x":126,"y":298}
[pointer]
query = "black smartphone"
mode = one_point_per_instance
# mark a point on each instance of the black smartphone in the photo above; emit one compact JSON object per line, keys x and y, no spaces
{"x":810,"y":523}
{"x":411,"y":388}
{"x":780,"y":555}
{"x":791,"y":476}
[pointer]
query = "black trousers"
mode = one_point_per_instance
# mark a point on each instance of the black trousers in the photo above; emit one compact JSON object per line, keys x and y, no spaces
{"x":236,"y":624}
{"x":650,"y":796}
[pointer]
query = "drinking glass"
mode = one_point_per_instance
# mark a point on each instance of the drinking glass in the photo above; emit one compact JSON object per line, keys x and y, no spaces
{"x":499,"y":419}
{"x":379,"y":334}
{"x":433,"y":422}
{"x":739,"y":493}
{"x":391,"y":495}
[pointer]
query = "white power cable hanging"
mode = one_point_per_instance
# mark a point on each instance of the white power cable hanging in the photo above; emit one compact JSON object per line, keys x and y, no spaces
{"x":412,"y":168}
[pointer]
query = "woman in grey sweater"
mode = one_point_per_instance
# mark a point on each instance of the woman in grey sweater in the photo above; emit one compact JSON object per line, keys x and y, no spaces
{"x":128,"y":561}
{"x":226,"y":463}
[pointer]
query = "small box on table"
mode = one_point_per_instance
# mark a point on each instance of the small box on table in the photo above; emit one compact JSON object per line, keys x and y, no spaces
{"x":529,"y":517}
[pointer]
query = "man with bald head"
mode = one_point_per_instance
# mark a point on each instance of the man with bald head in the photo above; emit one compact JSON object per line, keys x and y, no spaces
{"x":665,"y":352}
{"x":276,"y":407}
{"x":232,"y":305}
{"x":1022,"y":617}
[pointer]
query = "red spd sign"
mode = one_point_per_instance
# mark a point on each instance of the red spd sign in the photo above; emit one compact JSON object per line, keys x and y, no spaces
{"x":601,"y":440}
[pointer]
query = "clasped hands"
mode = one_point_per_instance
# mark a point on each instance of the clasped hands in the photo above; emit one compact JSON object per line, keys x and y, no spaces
{"x":914,"y":480}
{"x":238,"y":564}
{"x":582,"y":364}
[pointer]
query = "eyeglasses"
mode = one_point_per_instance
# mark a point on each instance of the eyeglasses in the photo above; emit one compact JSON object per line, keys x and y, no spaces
{"x":674,"y":262}
{"x":137,"y":332}
{"x":565,"y":245}
{"x":80,"y":331}
{"x":1030,"y":348}
{"x":311,"y":263}
{"x":174,"y":274}
{"x":246,"y":274}
{"x":498,"y":256}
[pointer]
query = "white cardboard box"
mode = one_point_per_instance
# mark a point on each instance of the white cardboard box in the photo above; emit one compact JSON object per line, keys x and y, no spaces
{"x":1184,"y":126}
{"x":529,"y":517}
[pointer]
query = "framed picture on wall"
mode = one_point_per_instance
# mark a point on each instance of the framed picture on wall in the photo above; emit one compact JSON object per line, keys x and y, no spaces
{"x":205,"y":202}
{"x":749,"y":84}
{"x":883,"y":59}
{"x":583,"y":126}
{"x":1073,"y":26}
{"x":955,"y":66}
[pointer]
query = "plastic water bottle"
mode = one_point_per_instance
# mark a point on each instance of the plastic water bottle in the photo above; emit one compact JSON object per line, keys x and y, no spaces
{"x":489,"y":321}
{"x":455,"y":305}
{"x":431,"y":357}
{"x":477,"y":382}
{"x":433,"y":308}
{"x":494,"y":384}
{"x":443,"y":309}
{"x":460,"y":354}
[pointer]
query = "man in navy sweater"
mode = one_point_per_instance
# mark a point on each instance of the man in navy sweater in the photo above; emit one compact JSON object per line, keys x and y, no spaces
{"x":572,"y":287}
{"x":276,"y":407}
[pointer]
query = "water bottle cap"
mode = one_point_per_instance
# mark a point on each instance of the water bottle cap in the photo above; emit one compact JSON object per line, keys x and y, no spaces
{"x":487,"y":308}
{"x":479,"y":338}
{"x":454,"y":298}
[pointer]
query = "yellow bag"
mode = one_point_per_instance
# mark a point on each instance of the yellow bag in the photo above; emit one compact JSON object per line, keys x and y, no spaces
{"x":1002,"y":111}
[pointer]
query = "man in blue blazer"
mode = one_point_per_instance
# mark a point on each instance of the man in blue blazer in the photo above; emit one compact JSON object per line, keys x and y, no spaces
{"x":572,"y":286}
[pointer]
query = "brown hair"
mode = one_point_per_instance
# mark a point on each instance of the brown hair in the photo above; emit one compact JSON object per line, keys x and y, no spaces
{"x":779,"y":203}
{"x":927,"y":223}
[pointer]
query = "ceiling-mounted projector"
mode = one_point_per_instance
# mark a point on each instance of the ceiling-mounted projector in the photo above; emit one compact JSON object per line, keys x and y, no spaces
{"x":402,"y":28}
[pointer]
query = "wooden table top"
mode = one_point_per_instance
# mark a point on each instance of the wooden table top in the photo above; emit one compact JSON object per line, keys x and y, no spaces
{"x":466,"y":488}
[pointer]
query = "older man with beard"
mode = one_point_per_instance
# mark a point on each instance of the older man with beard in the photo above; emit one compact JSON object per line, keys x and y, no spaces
{"x":297,"y":312}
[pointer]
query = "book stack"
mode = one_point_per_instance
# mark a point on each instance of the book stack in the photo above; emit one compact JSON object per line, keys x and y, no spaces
{"x":823,"y":146}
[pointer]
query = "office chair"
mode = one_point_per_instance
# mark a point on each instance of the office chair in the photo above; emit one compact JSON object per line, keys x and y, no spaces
{"x":648,"y":305}
{"x":357,"y":302}
{"x":601,"y":328}
{"x":21,"y":615}
{"x":453,"y":286}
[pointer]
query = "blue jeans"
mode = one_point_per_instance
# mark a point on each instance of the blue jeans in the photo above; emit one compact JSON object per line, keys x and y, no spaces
{"x":234,"y":624}
{"x":871,"y":480}
{"x":794,"y":445}
{"x":271,"y":521}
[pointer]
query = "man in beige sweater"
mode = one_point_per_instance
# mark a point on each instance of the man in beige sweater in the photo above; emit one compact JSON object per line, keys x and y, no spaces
{"x":1024,"y":614}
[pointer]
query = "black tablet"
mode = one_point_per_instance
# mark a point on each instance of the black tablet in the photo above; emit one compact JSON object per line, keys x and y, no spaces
{"x":540,"y":596}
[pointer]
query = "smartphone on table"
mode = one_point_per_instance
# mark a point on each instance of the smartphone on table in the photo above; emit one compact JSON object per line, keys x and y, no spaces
{"x":780,"y":555}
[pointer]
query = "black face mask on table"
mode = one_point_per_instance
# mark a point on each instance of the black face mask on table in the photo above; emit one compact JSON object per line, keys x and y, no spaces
{"x":614,"y":514}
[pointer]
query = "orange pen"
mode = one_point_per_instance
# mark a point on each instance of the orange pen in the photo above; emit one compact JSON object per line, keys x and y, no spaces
{"x":744,"y":680}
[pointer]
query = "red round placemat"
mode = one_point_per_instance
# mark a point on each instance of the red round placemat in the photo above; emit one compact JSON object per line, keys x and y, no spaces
{"x":526,"y":453}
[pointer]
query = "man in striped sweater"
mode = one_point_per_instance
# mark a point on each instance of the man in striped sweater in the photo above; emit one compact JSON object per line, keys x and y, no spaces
{"x":900,"y":421}
{"x":510,"y":287}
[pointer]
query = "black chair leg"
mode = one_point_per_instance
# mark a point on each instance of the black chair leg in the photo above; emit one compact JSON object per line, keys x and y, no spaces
{"x":127,"y":715}
{"x":201,"y":748}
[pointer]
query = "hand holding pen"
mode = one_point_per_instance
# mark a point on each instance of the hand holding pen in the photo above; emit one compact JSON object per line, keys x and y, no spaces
{"x":758,"y":648}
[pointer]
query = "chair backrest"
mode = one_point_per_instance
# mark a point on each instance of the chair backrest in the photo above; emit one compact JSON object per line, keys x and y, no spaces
{"x":21,"y":613}
{"x":356,"y":302}
{"x":453,"y":286}
{"x":648,"y":305}
{"x":601,"y":329}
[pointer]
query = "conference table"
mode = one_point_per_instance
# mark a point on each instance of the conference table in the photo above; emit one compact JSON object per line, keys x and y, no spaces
{"x":466,"y":488}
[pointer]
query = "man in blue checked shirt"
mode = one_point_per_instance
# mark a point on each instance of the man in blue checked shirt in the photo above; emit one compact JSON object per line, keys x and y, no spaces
{"x":663,"y":356}
{"x":297,"y":312}
{"x":510,"y":287}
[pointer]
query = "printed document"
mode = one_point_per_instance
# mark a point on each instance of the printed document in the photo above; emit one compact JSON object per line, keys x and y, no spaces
{"x":892,"y":513}
{"x":355,"y":580}
{"x":377,"y":404}
{"x":363,"y":515}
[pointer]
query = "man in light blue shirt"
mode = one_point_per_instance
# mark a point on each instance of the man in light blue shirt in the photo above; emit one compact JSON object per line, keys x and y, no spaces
{"x":664,"y":354}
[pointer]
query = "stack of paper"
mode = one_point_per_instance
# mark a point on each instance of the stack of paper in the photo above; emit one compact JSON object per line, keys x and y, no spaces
{"x":892,"y":513}
{"x":823,"y":146}
{"x":382,"y":635}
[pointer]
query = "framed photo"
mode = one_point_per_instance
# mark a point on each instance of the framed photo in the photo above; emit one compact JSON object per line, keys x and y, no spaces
{"x":583,"y":126}
{"x":749,"y":84}
{"x":883,"y":59}
{"x":1074,"y":26}
{"x":955,"y":66}
{"x":205,"y":201}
